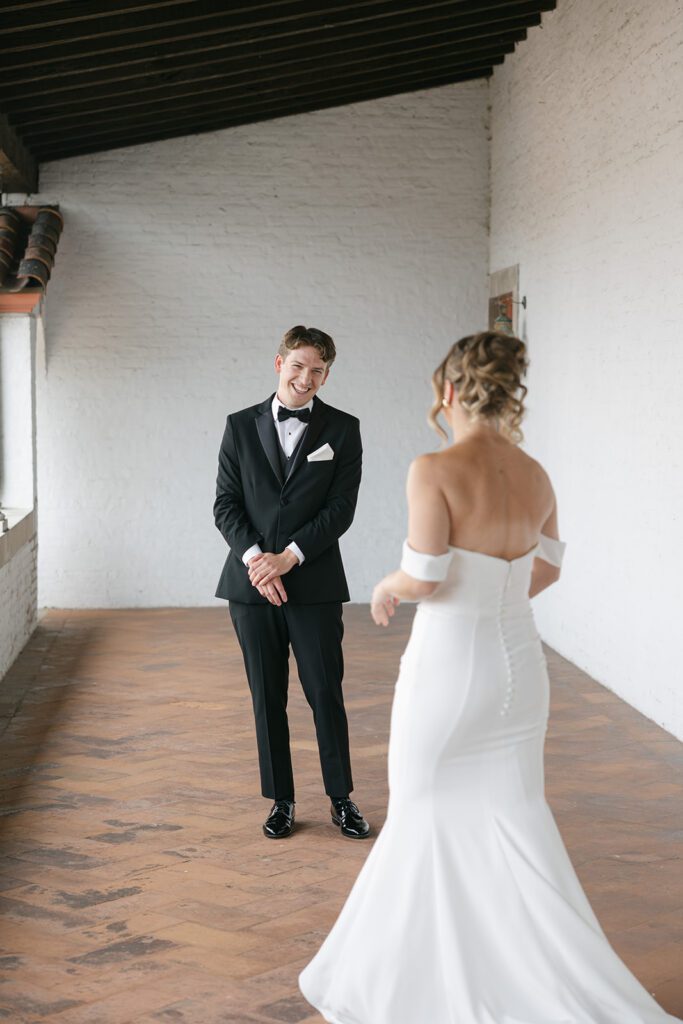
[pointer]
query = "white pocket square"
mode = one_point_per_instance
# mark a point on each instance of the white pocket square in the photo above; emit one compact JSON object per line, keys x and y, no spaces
{"x":323,"y":454}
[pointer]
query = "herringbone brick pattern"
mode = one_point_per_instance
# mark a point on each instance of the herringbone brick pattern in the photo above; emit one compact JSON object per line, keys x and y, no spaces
{"x":136,"y":884}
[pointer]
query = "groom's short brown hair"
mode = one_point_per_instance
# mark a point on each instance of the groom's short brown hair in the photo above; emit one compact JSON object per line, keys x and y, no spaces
{"x":299,"y":336}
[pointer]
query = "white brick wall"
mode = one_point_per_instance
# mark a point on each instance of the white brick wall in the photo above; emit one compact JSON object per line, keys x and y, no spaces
{"x":181,"y":265}
{"x":18,"y":554}
{"x":18,"y":603}
{"x":587,"y":196}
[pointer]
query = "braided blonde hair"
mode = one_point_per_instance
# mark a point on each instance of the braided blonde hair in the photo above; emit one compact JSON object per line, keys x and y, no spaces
{"x":486,"y":370}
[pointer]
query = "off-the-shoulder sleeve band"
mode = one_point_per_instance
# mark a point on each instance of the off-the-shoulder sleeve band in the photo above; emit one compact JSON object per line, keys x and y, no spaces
{"x":550,"y":550}
{"x":429,"y":568}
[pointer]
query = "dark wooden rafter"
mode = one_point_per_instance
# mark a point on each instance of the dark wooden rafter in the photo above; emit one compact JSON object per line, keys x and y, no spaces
{"x":313,"y":100}
{"x":310,"y":83}
{"x":124,"y":25}
{"x":202,"y":72}
{"x":88,"y":75}
{"x":252,"y":42}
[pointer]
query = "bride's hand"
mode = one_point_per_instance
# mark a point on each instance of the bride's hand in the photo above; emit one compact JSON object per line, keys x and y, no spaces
{"x":382,"y":605}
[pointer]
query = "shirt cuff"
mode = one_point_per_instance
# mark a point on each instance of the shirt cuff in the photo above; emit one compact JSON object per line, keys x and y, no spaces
{"x":297,"y":551}
{"x":255,"y":549}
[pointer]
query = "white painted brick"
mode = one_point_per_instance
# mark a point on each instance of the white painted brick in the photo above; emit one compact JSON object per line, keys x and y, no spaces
{"x":18,"y":585}
{"x":587,"y":196}
{"x":182,"y":264}
{"x":18,"y":603}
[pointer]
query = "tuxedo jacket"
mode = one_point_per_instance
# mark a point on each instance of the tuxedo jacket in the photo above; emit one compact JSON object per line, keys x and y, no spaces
{"x":313,"y":506}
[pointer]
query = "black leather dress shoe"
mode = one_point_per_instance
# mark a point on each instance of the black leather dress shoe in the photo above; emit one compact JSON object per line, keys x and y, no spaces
{"x":347,"y":817}
{"x":280,"y":822}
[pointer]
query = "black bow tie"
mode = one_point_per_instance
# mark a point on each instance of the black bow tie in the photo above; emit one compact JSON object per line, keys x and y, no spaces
{"x":302,"y":414}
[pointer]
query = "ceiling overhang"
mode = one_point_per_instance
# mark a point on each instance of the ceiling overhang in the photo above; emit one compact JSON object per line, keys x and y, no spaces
{"x":83,"y":77}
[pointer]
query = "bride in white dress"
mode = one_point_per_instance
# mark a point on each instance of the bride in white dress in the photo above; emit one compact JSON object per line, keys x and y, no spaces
{"x":467,"y":909}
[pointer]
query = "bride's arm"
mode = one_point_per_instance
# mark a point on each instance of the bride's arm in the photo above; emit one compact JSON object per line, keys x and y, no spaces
{"x":544,"y":574}
{"x":428,"y":532}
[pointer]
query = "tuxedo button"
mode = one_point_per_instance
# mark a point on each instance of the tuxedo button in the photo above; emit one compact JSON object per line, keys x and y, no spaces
{"x":283,"y":501}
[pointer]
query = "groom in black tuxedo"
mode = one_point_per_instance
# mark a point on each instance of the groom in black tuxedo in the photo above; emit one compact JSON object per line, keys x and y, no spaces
{"x":289,"y":470}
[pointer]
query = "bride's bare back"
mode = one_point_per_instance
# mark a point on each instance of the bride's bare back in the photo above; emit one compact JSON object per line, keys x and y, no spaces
{"x":484,"y":494}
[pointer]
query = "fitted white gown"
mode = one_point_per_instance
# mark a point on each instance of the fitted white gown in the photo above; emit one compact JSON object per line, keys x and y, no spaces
{"x":467,"y":909}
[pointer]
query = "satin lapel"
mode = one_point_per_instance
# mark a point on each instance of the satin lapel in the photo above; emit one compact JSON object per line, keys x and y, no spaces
{"x":316,"y":424}
{"x":268,"y":438}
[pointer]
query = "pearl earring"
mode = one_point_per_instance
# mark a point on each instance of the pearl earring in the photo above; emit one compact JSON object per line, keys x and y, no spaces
{"x":445,"y":403}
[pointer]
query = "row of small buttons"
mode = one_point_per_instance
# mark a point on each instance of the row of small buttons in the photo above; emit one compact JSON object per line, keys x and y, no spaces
{"x":510,"y":688}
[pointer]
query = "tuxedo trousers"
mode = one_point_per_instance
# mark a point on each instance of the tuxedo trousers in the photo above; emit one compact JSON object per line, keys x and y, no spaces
{"x":315,"y":632}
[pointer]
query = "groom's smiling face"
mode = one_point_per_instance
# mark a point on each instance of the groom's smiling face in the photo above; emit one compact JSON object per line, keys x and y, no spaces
{"x":302,"y":373}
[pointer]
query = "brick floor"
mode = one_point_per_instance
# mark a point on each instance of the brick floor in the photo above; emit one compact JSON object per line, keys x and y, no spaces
{"x":135,"y":884}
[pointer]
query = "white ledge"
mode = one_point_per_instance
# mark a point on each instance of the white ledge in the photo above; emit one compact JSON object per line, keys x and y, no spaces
{"x":22,"y":529}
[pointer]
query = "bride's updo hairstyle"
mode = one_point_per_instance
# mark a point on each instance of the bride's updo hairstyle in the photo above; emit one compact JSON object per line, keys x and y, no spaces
{"x":486,"y":371}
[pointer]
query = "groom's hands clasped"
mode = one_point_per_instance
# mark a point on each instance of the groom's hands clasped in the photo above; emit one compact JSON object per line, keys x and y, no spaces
{"x":265,"y":567}
{"x":266,"y":570}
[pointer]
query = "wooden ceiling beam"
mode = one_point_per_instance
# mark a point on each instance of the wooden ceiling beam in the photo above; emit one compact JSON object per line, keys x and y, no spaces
{"x":108,"y":18}
{"x":185,"y":117}
{"x":82,"y":77}
{"x":211,"y":90}
{"x":215,"y":73}
{"x":18,"y":166}
{"x":53,"y":79}
{"x":462,"y":12}
{"x":78,"y":20}
{"x":33,"y":14}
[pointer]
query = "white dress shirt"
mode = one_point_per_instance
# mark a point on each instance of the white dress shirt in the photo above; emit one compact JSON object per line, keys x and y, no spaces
{"x":289,"y":433}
